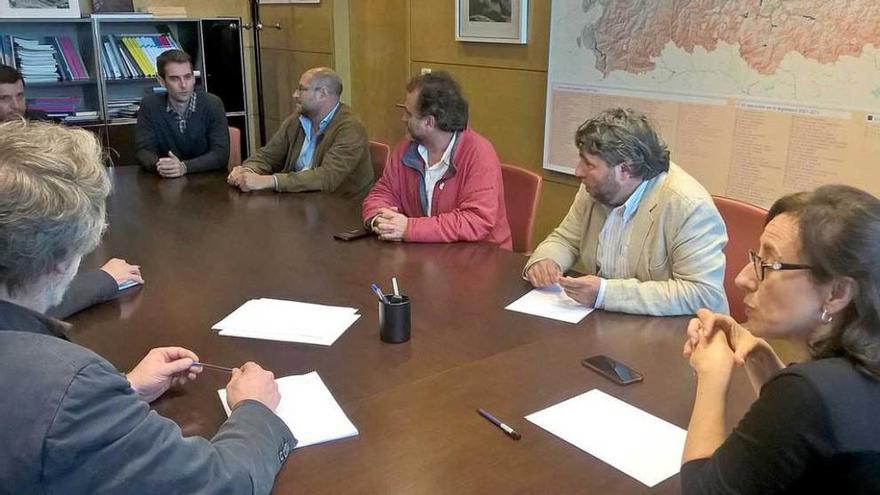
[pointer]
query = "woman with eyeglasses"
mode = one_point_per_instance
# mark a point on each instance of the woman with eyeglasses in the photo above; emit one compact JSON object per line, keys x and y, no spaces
{"x":815,"y":283}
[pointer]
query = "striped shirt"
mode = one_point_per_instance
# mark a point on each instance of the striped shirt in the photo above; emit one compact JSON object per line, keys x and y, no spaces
{"x":611,"y":254}
{"x":187,"y":112}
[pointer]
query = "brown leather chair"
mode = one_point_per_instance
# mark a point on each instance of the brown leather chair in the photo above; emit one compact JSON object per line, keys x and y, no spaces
{"x":379,"y":155}
{"x":522,"y":190}
{"x":234,"y":148}
{"x":745,"y":222}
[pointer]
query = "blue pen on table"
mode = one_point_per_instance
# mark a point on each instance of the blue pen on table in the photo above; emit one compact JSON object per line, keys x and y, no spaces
{"x":379,"y":293}
{"x":492,"y":419}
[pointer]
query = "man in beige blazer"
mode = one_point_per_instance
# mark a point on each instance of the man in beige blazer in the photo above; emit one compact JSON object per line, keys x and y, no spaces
{"x":646,"y":234}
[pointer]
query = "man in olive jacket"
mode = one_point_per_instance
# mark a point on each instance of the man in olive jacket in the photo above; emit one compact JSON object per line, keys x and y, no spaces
{"x":321,"y":147}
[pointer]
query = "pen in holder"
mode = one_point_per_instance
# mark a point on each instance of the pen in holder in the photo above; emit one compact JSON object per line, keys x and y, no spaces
{"x":394,"y":319}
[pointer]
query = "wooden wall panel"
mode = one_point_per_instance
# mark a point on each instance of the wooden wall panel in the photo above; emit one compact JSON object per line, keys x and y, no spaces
{"x":272,"y":125}
{"x":281,"y":72}
{"x":506,"y":106}
{"x":304,"y":27}
{"x":432,"y":36}
{"x":379,"y":65}
{"x":556,"y":199}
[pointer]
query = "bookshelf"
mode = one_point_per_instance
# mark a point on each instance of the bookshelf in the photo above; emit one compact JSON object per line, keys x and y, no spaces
{"x":59,"y":96}
{"x":118,"y":69}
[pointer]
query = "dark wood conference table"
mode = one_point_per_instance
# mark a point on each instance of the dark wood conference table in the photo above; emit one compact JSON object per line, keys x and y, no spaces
{"x":205,"y":248}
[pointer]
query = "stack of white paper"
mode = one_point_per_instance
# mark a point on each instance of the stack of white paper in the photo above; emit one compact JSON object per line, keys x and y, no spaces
{"x":551,"y":302}
{"x":308,"y":408}
{"x":641,"y":445}
{"x":288,"y":321}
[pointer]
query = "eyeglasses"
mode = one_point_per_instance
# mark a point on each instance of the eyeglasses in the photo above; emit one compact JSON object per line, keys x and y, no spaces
{"x":761,"y":266}
{"x":403,"y":107}
{"x":303,"y":89}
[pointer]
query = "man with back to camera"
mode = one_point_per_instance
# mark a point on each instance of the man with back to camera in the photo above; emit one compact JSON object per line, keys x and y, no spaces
{"x":322,"y":146}
{"x":443,"y":182}
{"x":184,"y":130}
{"x":91,"y":287}
{"x":71,"y":422}
{"x":646,"y":233}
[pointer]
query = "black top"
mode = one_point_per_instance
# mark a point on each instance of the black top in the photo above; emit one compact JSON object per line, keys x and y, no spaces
{"x":204,"y":145}
{"x":813,"y":429}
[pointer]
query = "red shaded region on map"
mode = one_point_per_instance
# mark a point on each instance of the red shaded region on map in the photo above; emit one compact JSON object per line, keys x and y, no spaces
{"x":631,"y":33}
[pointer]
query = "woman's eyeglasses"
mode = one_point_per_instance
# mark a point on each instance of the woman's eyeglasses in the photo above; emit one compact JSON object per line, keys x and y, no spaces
{"x":762,"y":266}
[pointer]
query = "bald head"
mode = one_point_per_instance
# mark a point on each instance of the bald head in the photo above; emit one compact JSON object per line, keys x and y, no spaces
{"x":327,"y":78}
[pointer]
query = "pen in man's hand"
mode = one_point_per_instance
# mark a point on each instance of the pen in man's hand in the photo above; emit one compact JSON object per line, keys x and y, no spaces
{"x":212,"y":366}
{"x":492,"y":419}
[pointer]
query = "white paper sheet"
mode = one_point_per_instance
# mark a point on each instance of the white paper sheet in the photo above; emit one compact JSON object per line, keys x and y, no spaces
{"x":641,"y":445}
{"x":308,"y":408}
{"x":551,"y":302}
{"x":288,"y":321}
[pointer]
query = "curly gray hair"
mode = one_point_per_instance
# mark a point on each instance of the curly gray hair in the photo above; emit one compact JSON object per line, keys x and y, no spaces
{"x":53,"y":188}
{"x":623,"y":135}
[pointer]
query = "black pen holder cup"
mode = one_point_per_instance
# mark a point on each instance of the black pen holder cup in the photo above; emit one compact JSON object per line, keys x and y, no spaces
{"x":394,"y":319}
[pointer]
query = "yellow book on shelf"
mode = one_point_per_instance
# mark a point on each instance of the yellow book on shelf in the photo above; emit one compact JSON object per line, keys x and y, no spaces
{"x":135,"y":49}
{"x":146,"y":44}
{"x":149,"y":67}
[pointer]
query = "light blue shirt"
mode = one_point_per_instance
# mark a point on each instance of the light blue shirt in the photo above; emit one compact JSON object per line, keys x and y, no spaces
{"x":611,"y":254}
{"x":304,"y":161}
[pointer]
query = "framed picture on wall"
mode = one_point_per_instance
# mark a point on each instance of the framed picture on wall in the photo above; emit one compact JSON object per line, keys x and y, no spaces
{"x":492,"y":21}
{"x":39,"y":8}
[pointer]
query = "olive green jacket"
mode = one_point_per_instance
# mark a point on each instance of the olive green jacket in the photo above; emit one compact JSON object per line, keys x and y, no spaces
{"x":341,"y":163}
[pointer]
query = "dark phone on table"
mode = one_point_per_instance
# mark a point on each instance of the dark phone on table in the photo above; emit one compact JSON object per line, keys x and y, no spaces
{"x":614,"y":370}
{"x":352,"y":234}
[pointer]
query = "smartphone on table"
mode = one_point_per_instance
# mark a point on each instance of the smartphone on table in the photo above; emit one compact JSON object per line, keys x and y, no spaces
{"x":353,"y":233}
{"x":612,"y":369}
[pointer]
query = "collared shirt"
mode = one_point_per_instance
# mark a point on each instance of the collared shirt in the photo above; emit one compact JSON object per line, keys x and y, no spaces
{"x":304,"y":161}
{"x":611,"y":254}
{"x":435,"y":172}
{"x":187,"y":111}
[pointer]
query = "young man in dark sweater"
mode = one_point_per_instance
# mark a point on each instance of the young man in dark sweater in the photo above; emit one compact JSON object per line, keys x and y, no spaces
{"x":183,"y":130}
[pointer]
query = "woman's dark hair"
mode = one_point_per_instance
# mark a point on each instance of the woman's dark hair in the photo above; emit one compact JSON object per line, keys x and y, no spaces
{"x":840,"y":237}
{"x":440,"y":97}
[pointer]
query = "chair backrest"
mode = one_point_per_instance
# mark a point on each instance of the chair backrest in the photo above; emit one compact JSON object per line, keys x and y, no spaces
{"x":234,"y":148}
{"x":522,"y":190}
{"x":379,"y":154}
{"x":745,"y":222}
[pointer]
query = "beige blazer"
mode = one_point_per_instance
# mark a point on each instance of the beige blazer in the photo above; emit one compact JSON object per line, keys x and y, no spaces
{"x":675,"y":256}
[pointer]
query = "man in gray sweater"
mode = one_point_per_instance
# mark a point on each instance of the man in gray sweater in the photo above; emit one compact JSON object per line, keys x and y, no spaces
{"x":72,"y":423}
{"x":183,"y":130}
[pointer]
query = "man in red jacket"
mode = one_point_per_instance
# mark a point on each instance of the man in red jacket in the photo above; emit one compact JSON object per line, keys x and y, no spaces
{"x":443,"y":183}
